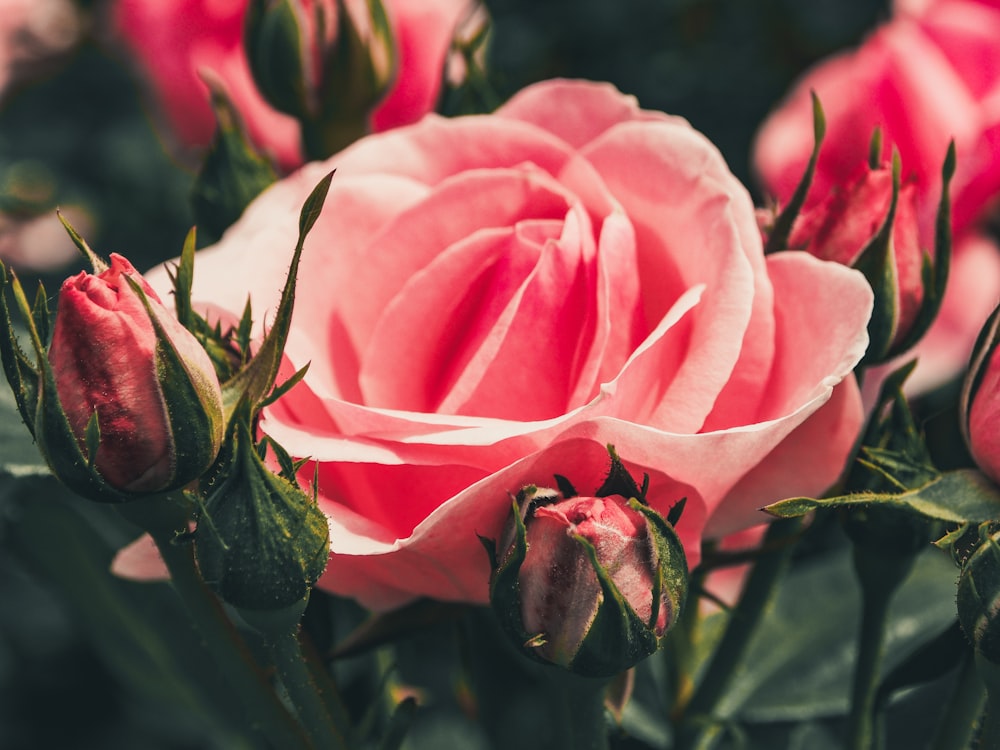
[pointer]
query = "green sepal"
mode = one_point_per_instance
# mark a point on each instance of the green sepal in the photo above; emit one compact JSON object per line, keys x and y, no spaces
{"x":877,"y":263}
{"x":232,"y":174}
{"x":777,"y":238}
{"x":194,"y":415}
{"x":268,"y":542}
{"x":956,"y":497}
{"x":255,"y":380}
{"x":618,"y":638}
{"x":355,"y":76}
{"x":505,"y":588}
{"x":273,"y":41}
{"x":620,"y":482}
{"x":22,"y":375}
{"x":934,"y":273}
{"x":672,"y":568}
{"x":875,"y":149}
{"x":97,"y":263}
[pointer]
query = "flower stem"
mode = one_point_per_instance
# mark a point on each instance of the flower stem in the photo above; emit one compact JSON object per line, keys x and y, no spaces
{"x":700,"y":728}
{"x":298,"y":680}
{"x":879,"y":575}
{"x":958,"y":725}
{"x":581,"y":708}
{"x":162,"y":519}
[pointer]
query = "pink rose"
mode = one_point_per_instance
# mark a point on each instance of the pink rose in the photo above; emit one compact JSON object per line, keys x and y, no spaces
{"x":930,"y":75}
{"x":488,"y":301}
{"x":173,"y":41}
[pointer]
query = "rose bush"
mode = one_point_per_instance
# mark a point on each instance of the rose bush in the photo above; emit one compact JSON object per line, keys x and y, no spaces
{"x":488,"y":301}
{"x":172,"y":42}
{"x":929,"y":75}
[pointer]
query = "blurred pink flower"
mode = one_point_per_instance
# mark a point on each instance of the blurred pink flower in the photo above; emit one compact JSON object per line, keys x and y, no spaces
{"x":930,"y":75}
{"x":173,"y":41}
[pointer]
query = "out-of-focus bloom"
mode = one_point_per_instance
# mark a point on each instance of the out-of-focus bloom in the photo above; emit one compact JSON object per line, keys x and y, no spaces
{"x":930,"y":75}
{"x":588,"y":583}
{"x":131,"y":382}
{"x":842,"y":225}
{"x":567,"y":273}
{"x":173,"y":41}
{"x":32,"y":31}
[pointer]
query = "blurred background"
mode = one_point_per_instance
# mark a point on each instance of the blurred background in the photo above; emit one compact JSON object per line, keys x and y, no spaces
{"x":75,"y":132}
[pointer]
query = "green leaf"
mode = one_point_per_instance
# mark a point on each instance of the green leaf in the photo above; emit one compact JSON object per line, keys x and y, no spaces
{"x":801,"y":659}
{"x":256,"y":379}
{"x":963,"y":496}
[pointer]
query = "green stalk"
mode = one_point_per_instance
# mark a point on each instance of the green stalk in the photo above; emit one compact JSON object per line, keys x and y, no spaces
{"x":879,"y":576}
{"x":958,"y":725}
{"x":162,"y":518}
{"x":700,"y":727}
{"x":580,"y":705}
{"x":309,"y":702}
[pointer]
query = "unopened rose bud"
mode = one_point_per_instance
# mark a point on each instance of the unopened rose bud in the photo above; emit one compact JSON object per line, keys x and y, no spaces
{"x":587,"y":583}
{"x":848,"y":224}
{"x":262,"y":542}
{"x":325,"y":62}
{"x":125,"y":402}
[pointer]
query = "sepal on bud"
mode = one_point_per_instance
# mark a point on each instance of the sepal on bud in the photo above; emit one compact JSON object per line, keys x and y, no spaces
{"x":328,"y":64}
{"x":588,"y":583}
{"x":262,"y":542}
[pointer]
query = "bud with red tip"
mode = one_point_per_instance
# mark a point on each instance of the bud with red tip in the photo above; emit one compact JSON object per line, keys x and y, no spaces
{"x":588,"y":583}
{"x":325,"y":62}
{"x":124,"y":402}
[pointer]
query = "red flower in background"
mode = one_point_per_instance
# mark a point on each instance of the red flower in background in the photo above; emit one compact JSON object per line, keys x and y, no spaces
{"x":173,"y":41}
{"x":930,"y":75}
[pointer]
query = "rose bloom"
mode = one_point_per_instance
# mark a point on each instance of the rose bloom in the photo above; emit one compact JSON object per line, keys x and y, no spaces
{"x":487,"y":301}
{"x":173,"y":41}
{"x":929,"y":75}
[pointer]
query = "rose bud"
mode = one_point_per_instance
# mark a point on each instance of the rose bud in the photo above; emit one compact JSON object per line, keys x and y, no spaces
{"x":979,"y":412}
{"x":262,"y":542}
{"x":125,"y":402}
{"x":587,"y":583}
{"x":326,"y":63}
